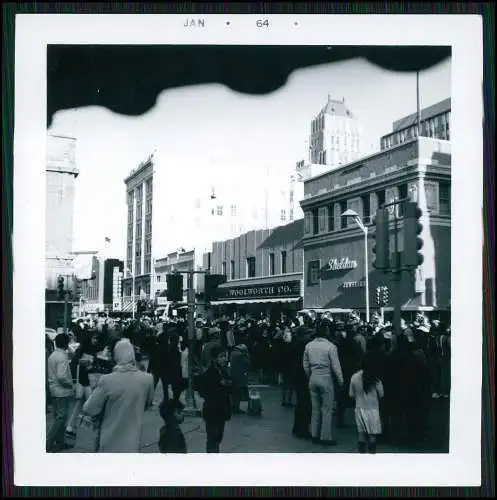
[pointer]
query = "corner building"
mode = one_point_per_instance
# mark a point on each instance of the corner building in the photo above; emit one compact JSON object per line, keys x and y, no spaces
{"x":334,"y":253}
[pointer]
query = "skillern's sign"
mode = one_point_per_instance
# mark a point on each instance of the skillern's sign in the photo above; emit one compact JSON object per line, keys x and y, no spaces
{"x":341,"y":264}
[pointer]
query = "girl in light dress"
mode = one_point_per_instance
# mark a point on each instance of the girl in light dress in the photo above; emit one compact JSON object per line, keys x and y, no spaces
{"x":366,"y":389}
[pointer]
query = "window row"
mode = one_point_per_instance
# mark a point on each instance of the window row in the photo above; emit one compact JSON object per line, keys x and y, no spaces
{"x":329,"y":218}
{"x":251,"y":266}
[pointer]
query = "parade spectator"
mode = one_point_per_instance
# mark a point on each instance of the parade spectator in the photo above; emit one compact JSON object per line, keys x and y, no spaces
{"x":366,"y":390}
{"x":287,"y":368}
{"x":170,"y":365}
{"x":119,"y":401}
{"x":60,"y":383}
{"x":215,"y":388}
{"x":302,"y":416}
{"x":239,"y":367}
{"x":212,"y":340}
{"x":445,"y":352}
{"x":171,"y":438}
{"x":79,"y":372}
{"x":322,"y":366}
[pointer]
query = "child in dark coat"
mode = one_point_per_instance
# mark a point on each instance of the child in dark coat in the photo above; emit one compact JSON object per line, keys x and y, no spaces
{"x":215,"y":388}
{"x":171,"y":438}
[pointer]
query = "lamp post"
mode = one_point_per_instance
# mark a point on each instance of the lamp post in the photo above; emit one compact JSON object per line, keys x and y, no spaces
{"x":364,"y":229}
{"x":132,"y":292}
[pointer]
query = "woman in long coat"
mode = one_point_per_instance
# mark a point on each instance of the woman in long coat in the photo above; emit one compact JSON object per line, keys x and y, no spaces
{"x":240,"y":365}
{"x":120,"y":400}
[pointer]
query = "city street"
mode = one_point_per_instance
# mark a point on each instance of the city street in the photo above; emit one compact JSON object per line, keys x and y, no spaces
{"x":272,"y":432}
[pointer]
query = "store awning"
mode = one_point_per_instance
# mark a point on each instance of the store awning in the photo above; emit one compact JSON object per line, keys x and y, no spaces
{"x":254,"y":301}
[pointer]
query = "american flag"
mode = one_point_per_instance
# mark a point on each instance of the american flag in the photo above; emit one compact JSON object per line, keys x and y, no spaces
{"x":107,"y":240}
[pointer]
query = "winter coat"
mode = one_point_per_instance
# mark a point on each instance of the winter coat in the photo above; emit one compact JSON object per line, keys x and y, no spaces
{"x":217,"y":400}
{"x":120,"y":400}
{"x":240,"y":364}
{"x":171,"y":440}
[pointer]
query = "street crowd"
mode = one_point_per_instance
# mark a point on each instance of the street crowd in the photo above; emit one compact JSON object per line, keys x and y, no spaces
{"x":324,"y":365}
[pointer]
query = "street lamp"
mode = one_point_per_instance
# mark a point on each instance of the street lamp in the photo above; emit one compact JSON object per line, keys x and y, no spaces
{"x":132,"y":291}
{"x":358,"y":221}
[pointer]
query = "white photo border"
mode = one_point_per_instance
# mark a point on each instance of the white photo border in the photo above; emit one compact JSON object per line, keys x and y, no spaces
{"x":34,"y":467}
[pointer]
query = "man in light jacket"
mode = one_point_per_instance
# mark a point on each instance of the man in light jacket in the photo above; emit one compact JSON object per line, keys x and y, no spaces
{"x":60,"y":384}
{"x":322,"y":366}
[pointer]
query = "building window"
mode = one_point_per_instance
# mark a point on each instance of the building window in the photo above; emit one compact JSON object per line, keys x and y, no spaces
{"x":323,"y":216}
{"x":232,"y":270}
{"x":315,"y":221}
{"x":343,"y":220}
{"x":283,"y":262}
{"x":444,"y":198}
{"x":432,"y":197}
{"x":337,"y":217}
{"x":148,"y":225}
{"x":354,"y":204}
{"x":283,"y":215}
{"x":402,"y":196}
{"x":250,"y":267}
{"x":147,"y":266}
{"x":271,"y":264}
{"x":380,"y":198}
{"x":291,"y":214}
{"x":366,"y":213}
{"x":224,"y":268}
{"x":233,"y":210}
{"x":219,"y":210}
{"x":313,"y":273}
{"x":308,"y":222}
{"x":148,"y":247}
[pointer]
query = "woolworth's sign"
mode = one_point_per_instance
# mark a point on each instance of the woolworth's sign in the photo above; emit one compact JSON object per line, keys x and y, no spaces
{"x":266,"y":291}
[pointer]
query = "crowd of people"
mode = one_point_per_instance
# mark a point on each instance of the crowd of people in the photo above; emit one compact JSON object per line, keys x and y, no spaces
{"x":324,"y":366}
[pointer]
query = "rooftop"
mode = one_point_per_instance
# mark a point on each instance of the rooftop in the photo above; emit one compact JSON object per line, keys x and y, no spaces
{"x":426,"y":113}
{"x":334,"y":107}
{"x":284,"y":234}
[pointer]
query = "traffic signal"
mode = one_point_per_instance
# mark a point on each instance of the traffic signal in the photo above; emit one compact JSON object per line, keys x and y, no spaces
{"x":77,"y":289}
{"x":413,"y":243}
{"x":378,"y":295}
{"x":174,"y":290}
{"x":60,"y":287}
{"x":385,"y":296}
{"x":381,"y":245}
{"x":212,"y":281}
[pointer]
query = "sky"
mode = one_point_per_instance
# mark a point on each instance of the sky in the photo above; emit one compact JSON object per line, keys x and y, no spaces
{"x":212,"y":124}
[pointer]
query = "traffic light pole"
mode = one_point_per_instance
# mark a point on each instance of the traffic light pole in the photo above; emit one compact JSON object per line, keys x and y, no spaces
{"x":397,"y":268}
{"x":191,"y":403}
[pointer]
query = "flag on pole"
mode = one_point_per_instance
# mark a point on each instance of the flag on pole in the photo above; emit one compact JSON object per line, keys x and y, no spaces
{"x":107,"y":240}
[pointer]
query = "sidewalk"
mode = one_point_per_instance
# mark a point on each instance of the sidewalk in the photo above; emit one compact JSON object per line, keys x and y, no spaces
{"x":272,"y":433}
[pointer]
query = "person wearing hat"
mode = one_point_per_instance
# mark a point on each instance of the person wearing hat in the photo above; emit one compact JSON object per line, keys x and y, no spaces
{"x":215,"y":387}
{"x":213,"y":338}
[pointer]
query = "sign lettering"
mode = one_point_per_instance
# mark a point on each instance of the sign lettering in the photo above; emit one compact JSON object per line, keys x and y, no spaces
{"x":341,"y":264}
{"x":271,"y":290}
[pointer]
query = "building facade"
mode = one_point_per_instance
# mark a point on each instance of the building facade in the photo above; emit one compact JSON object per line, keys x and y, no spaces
{"x":263,"y":270}
{"x":138,"y":255}
{"x":171,"y":204}
{"x":434,"y":121}
{"x":61,"y":174}
{"x":334,"y":247}
{"x":173,"y":262}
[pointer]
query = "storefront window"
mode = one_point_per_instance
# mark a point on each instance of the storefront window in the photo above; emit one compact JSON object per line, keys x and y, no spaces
{"x":313,"y":273}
